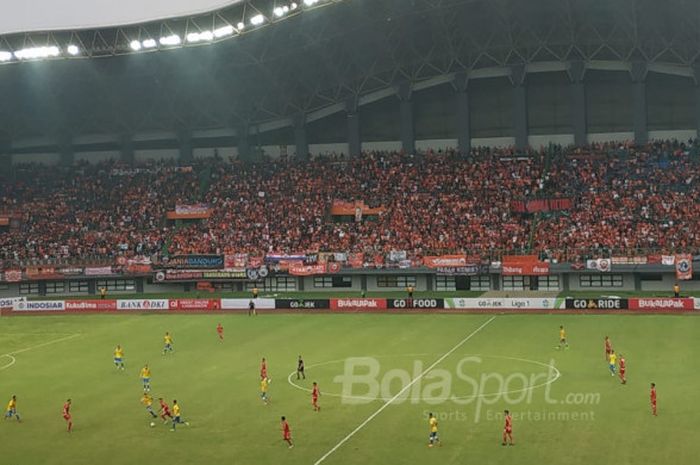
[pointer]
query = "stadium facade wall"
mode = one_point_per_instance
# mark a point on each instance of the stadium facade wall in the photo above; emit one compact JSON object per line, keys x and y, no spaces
{"x":94,"y":157}
{"x":208,"y":152}
{"x":156,"y":154}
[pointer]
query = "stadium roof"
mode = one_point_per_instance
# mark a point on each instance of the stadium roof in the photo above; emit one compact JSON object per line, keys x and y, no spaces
{"x":314,"y":64}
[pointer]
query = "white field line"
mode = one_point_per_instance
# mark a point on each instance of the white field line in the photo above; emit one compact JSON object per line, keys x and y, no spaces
{"x":43,"y":344}
{"x":405,"y":388}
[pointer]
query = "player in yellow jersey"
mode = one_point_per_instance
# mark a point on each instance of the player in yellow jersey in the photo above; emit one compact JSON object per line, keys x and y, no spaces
{"x":119,"y":357}
{"x":433,"y":424}
{"x":168,"y":340}
{"x":263,"y":390}
{"x":612,"y":362}
{"x":562,"y":339}
{"x":12,"y":409}
{"x":146,"y":378}
{"x":176,"y":416}
{"x":147,"y":402}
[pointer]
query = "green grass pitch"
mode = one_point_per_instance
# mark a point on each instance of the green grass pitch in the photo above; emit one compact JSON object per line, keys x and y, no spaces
{"x":583,"y":416}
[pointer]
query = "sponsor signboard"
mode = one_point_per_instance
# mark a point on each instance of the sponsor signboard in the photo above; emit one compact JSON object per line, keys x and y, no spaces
{"x":656,"y":304}
{"x":303,"y":303}
{"x":697,"y":303}
{"x":358,"y":304}
{"x":500,"y":302}
{"x":39,"y":306}
{"x":211,"y":262}
{"x":10,"y":302}
{"x":416,"y":303}
{"x":90,"y":305}
{"x":194,"y":304}
{"x":603,"y":303}
{"x":238,"y":304}
{"x":142,"y":304}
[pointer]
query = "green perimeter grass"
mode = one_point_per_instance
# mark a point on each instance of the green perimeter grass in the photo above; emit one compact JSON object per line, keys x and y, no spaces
{"x":217,"y":386}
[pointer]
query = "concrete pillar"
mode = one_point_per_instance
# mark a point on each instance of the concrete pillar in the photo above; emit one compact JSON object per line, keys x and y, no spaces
{"x":408,"y":135}
{"x":127,"y":149}
{"x":464,"y":138}
{"x":579,"y":121}
{"x":697,"y":109}
{"x":186,"y":146}
{"x":639,"y":74}
{"x":520,"y":125}
{"x":354,"y":138}
{"x":67,"y":153}
{"x":300,"y":140}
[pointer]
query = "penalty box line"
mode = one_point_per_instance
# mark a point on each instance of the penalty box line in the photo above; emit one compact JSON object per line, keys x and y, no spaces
{"x":405,"y":388}
{"x":44,"y":344}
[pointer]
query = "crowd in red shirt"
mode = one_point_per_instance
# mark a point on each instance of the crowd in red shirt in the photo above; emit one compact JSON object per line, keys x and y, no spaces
{"x":624,"y":198}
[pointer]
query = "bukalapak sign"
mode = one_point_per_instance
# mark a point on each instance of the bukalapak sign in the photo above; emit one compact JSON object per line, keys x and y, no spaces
{"x":208,"y":262}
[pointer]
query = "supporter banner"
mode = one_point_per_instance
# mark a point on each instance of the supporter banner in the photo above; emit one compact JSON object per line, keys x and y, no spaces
{"x":11,"y":302}
{"x":656,"y":304}
{"x":136,"y":260}
{"x":358,"y":304}
{"x":696,"y":301}
{"x":36,"y":273}
{"x":446,"y":261}
{"x":603,"y":265}
{"x":469,"y":270}
{"x":525,"y":269}
{"x":90,"y":305}
{"x":71,"y":271}
{"x":684,"y":267}
{"x":142,"y":304}
{"x":306,"y":270}
{"x":238,"y":304}
{"x":541,"y":205}
{"x":98,"y":271}
{"x":629,"y":260}
{"x":39,"y":306}
{"x":194,"y":304}
{"x":396,"y":256}
{"x":303,"y":303}
{"x":668,"y":260}
{"x":13,"y":276}
{"x":198,"y":211}
{"x":195,"y":275}
{"x":274,"y":258}
{"x":255,"y":274}
{"x":356,"y":260}
{"x":238,"y":260}
{"x":654,"y":259}
{"x":211,"y":262}
{"x":499,"y":302}
{"x":225,"y":274}
{"x":416,"y":303}
{"x":607,"y":303}
{"x":138,"y":269}
{"x":341,"y":208}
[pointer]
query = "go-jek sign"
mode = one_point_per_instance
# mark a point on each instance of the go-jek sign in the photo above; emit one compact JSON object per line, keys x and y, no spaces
{"x":142,"y":304}
{"x":487,"y":303}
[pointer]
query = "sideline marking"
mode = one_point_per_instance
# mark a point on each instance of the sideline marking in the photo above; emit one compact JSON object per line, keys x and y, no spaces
{"x":15,"y":352}
{"x":407,"y":387}
{"x":475,"y":396}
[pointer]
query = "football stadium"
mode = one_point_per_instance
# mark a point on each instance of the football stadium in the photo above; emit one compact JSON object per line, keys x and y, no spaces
{"x":329,"y":232}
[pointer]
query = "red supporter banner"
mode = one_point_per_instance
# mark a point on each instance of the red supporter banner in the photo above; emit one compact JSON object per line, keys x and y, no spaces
{"x":684,"y":267}
{"x":13,"y":276}
{"x":658,"y":304}
{"x":42,"y":273}
{"x":138,"y":269}
{"x":358,"y":304}
{"x":90,"y":305}
{"x":341,"y":208}
{"x":356,"y":260}
{"x":195,"y":304}
{"x":541,"y":205}
{"x":445,"y":261}
{"x":629,"y":260}
{"x":198,"y":211}
{"x":298,"y":269}
{"x":523,"y":265}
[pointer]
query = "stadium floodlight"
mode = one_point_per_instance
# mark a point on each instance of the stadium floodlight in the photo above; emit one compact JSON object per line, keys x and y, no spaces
{"x":149,"y":43}
{"x":135,"y":45}
{"x":37,"y":52}
{"x":240,"y":26}
{"x":5,"y":56}
{"x":223,"y":31}
{"x":281,"y":11}
{"x":200,"y":36}
{"x":173,"y":39}
{"x":293,"y":6}
{"x":206,"y":35}
{"x":73,"y":50}
{"x":257,"y":20}
{"x":310,"y":2}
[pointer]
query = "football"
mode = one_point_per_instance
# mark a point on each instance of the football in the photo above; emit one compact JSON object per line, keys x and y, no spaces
{"x":153,"y":424}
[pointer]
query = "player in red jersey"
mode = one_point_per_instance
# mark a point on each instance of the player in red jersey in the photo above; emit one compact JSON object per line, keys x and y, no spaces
{"x":652,"y":397}
{"x":623,"y":368}
{"x":164,"y":411}
{"x":286,"y":432}
{"x":314,"y":397}
{"x":220,"y":331}
{"x":263,"y":369}
{"x":67,"y":416}
{"x":508,"y":429}
{"x":608,"y":348}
